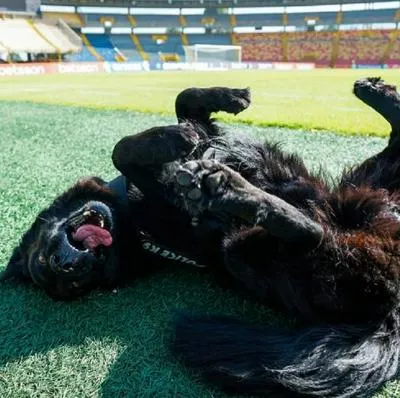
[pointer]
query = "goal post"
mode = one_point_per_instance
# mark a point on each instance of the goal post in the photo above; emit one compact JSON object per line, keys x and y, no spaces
{"x":212,"y":53}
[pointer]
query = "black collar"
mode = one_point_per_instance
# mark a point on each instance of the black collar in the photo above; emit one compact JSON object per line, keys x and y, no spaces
{"x":119,"y":187}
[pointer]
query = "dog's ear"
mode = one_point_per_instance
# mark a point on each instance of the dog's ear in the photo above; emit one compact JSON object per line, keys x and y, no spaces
{"x":16,"y":267}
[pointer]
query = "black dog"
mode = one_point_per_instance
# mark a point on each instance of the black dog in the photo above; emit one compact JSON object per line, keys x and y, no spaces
{"x":328,"y":255}
{"x":97,"y":234}
{"x":255,"y":213}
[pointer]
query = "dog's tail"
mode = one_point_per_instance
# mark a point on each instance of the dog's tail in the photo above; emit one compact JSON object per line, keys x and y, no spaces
{"x":337,"y":361}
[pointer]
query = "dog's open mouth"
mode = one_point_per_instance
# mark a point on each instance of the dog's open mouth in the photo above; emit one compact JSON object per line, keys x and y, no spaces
{"x":90,"y":231}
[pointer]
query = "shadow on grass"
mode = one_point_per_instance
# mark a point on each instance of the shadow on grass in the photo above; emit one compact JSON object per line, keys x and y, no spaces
{"x":133,"y":324}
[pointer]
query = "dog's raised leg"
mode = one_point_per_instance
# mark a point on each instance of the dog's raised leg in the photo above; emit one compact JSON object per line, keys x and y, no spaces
{"x":381,"y":97}
{"x":212,"y":186}
{"x":197,"y":104}
{"x":383,"y":169}
{"x":143,"y":157}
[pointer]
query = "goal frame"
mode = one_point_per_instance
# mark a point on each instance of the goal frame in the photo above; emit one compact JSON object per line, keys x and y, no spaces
{"x":210,"y":48}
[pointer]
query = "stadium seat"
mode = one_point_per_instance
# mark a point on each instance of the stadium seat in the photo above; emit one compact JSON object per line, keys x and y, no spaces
{"x":84,"y":56}
{"x":366,"y":46}
{"x":19,"y":35}
{"x":260,"y":46}
{"x":73,"y":20}
{"x":394,"y":55}
{"x":310,"y":46}
{"x":155,"y":46}
{"x":57,"y":38}
{"x":322,"y":47}
{"x":125,"y":44}
{"x":103,"y":46}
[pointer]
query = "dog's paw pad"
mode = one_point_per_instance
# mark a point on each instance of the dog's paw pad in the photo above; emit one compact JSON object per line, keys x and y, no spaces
{"x":195,"y":194}
{"x":196,"y":183}
{"x":184,"y":177}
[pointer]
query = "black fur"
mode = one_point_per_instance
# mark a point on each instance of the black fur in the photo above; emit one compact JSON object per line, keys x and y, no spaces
{"x":328,"y":255}
{"x":324,"y":361}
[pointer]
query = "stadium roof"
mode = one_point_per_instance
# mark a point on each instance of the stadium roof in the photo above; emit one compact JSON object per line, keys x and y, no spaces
{"x":198,"y":3}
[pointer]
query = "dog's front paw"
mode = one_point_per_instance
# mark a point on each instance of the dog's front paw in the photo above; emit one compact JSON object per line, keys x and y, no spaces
{"x":209,"y":185}
{"x":235,"y":100}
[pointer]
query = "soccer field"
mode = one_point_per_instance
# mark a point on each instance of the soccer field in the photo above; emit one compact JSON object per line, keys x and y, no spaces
{"x":318,"y":99}
{"x":116,"y":344}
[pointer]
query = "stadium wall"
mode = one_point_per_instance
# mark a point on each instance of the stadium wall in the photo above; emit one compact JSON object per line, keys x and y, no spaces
{"x":32,"y":69}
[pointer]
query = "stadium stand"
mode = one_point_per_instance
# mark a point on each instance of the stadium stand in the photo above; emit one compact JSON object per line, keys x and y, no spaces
{"x":160,"y":46}
{"x":55,"y":36}
{"x":139,"y":47}
{"x":125,"y":44}
{"x":19,"y":36}
{"x":363,"y":47}
{"x":340,"y":37}
{"x":310,"y":46}
{"x":73,"y":20}
{"x":83,"y":56}
{"x":36,"y":37}
{"x":260,"y":46}
{"x":103,"y":46}
{"x":393,"y":53}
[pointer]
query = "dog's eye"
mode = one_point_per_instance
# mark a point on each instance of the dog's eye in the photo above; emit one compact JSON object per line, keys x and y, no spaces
{"x":41,"y":259}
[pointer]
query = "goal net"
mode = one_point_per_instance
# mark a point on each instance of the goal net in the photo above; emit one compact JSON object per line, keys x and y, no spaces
{"x":212,"y":53}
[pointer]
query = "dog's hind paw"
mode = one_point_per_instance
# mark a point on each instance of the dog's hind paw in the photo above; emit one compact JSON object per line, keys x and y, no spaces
{"x":364,"y":88}
{"x":381,"y":97}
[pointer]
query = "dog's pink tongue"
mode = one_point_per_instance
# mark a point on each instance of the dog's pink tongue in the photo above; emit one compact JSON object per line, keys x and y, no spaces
{"x":92,"y":236}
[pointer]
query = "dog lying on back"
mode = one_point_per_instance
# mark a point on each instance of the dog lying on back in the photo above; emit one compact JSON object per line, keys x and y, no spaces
{"x":324,"y":254}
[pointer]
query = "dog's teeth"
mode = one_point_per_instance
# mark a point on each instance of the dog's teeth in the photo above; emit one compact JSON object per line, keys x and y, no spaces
{"x":102,"y":223}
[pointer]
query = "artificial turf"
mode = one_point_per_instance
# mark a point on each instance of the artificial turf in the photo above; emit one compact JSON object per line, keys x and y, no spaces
{"x":110,"y":344}
{"x":315,"y":99}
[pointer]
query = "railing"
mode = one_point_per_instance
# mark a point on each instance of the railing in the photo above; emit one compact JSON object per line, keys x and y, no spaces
{"x":72,"y":36}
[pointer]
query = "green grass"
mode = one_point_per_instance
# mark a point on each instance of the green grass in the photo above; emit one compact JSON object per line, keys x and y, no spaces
{"x":319,"y":99}
{"x":109,"y":344}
